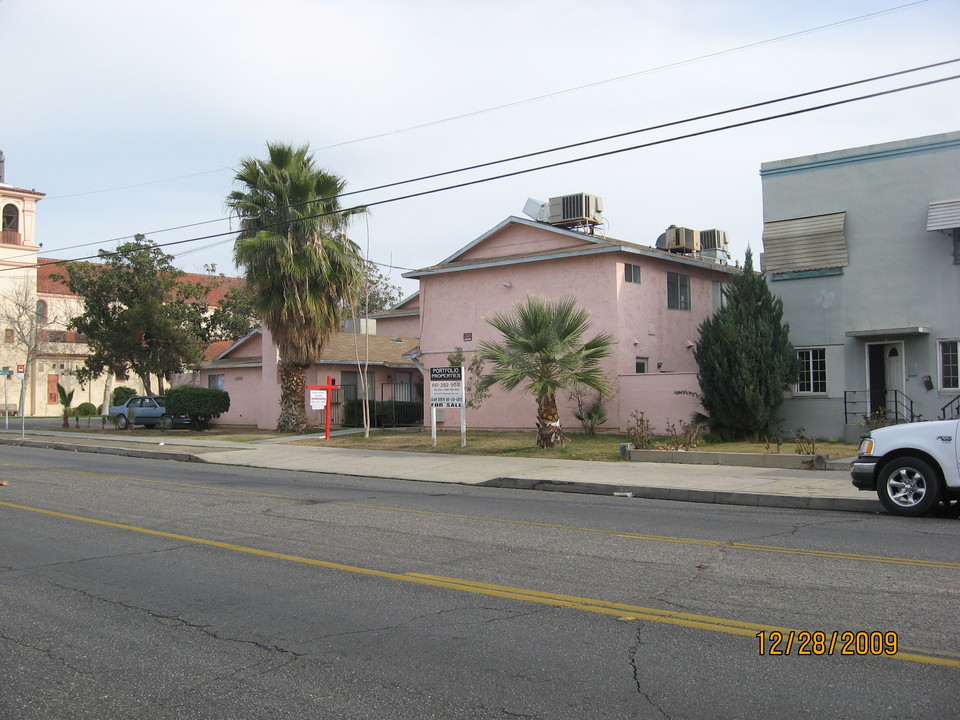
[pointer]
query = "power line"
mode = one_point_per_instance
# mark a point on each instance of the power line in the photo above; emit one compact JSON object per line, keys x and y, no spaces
{"x":570,"y":161}
{"x":674,"y":123}
{"x":659,"y":68}
{"x":547,"y":96}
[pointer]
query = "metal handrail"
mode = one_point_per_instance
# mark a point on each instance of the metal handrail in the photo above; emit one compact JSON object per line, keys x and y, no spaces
{"x":951,"y":411}
{"x":898,"y":406}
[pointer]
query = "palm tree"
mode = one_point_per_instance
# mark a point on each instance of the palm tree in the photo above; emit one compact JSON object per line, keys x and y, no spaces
{"x":65,"y":398}
{"x":300,"y":266}
{"x":542,"y":349}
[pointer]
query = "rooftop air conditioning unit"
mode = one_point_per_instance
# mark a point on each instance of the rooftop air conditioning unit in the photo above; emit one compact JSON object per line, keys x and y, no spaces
{"x":684,"y":240}
{"x":714,"y":240}
{"x":576,"y":209}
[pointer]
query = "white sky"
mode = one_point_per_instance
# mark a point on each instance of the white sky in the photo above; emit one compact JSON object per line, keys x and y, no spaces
{"x":130,"y":116}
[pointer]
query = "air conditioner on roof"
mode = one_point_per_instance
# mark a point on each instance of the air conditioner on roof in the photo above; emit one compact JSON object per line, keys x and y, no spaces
{"x":579,"y":209}
{"x":681,"y":239}
{"x":714,"y":240}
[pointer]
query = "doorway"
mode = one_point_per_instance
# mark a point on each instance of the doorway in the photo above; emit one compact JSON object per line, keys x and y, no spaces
{"x":885,"y":376}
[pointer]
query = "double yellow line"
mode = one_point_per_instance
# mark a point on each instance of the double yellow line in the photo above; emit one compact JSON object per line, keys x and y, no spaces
{"x":622,"y":611}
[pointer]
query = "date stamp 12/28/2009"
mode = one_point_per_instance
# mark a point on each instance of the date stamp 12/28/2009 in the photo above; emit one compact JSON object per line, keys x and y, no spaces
{"x":803,"y":642}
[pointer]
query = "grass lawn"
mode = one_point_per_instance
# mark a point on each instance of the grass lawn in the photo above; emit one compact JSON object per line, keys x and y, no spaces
{"x":605,"y":447}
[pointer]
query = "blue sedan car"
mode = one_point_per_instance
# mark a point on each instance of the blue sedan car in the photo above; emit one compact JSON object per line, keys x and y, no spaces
{"x":146,"y":410}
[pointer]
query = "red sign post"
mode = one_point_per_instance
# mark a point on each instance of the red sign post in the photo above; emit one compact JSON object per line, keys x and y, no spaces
{"x":320,"y":399}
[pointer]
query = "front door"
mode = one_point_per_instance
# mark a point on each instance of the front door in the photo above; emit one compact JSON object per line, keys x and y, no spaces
{"x":885,"y":377}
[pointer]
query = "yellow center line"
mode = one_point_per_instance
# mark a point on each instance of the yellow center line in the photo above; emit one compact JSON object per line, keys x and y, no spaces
{"x":635,"y":612}
{"x":914,"y":562}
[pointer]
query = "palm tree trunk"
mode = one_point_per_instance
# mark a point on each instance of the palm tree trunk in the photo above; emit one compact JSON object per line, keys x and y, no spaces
{"x":293,"y":414}
{"x":549,"y":433}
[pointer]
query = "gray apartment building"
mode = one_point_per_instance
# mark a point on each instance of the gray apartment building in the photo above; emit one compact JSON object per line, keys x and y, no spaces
{"x":863,"y":247}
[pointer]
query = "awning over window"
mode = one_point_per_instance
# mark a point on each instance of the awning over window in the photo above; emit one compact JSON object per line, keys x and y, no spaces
{"x":943,"y":215}
{"x":808,"y":243}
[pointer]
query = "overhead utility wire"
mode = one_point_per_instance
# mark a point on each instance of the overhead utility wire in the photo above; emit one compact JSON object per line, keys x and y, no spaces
{"x":561,"y":163}
{"x":478,"y":166}
{"x":668,"y":66}
{"x":557,"y":93}
{"x":673,"y":123}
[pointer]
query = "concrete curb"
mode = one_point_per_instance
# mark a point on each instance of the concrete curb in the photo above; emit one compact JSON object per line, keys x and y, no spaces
{"x":105,"y":450}
{"x":751,"y":499}
{"x":691,"y":495}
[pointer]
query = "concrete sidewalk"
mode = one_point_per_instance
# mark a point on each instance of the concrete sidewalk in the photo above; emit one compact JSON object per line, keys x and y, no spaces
{"x":810,"y":489}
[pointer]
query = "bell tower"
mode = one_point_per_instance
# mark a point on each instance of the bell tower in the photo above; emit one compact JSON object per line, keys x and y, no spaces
{"x":18,"y":223}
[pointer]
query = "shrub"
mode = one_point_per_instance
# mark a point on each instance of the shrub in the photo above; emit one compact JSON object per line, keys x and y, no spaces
{"x":121,"y":395}
{"x":200,"y":404}
{"x":87,"y":410}
{"x":640,"y":431}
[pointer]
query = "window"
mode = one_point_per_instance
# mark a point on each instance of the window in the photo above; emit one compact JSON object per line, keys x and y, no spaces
{"x":631,"y":273}
{"x":8,"y":335}
{"x":678,"y":291}
{"x":217,"y":381}
{"x":813,"y":371}
{"x":949,"y":370}
{"x":642,"y":364}
{"x":42,"y":310}
{"x":350,"y":381}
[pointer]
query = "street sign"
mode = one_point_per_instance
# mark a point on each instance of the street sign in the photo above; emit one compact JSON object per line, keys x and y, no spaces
{"x":6,"y":372}
{"x":21,"y":371}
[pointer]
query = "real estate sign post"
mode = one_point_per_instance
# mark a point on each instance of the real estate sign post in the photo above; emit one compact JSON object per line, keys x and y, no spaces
{"x":318,"y":400}
{"x":447,"y":391}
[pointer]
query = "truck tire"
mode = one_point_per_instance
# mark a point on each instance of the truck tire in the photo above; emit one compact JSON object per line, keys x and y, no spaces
{"x":908,"y":486}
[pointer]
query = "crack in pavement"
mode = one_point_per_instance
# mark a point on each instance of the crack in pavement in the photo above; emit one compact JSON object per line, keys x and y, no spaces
{"x":183,"y":622}
{"x":77,"y":561}
{"x":635,"y":667}
{"x":48,"y":652}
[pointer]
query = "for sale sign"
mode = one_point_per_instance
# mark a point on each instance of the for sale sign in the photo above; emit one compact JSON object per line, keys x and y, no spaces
{"x":318,"y":399}
{"x":446,"y":387}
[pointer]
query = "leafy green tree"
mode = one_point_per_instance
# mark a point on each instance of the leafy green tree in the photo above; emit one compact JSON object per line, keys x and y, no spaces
{"x":140,"y":315}
{"x":297,"y":260}
{"x":744,"y":357}
{"x":201,"y":404}
{"x":543,"y":351}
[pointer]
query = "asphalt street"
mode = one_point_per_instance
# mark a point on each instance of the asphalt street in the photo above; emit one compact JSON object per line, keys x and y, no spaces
{"x":137,"y":588}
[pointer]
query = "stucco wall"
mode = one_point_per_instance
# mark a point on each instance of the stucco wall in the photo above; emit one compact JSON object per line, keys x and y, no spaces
{"x":899,"y":275}
{"x":457,"y":305}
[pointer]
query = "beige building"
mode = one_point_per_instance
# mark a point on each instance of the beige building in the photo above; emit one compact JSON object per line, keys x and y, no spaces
{"x":35,"y":310}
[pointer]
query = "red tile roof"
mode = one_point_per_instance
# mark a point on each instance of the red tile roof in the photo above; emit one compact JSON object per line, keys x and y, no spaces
{"x":47,"y":267}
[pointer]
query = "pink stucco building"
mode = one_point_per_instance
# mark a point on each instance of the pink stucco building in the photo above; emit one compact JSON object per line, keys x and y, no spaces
{"x":247,"y":369}
{"x":651,"y":300}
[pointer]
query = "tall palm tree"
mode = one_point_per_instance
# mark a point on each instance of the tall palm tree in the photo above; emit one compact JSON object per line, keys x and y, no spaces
{"x":300,"y":265}
{"x":542,"y":349}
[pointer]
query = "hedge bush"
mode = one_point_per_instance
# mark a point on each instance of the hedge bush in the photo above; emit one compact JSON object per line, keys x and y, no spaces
{"x":200,"y":404}
{"x":120,"y":395}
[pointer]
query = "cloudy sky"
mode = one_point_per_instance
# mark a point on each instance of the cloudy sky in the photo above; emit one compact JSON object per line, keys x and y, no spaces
{"x":131,"y":116}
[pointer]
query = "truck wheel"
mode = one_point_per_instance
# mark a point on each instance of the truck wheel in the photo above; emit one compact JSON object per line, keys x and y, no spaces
{"x":908,"y":486}
{"x":122,"y":422}
{"x":166,"y":422}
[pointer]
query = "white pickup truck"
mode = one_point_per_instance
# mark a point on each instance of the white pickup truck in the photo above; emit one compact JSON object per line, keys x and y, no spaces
{"x":914,"y":468}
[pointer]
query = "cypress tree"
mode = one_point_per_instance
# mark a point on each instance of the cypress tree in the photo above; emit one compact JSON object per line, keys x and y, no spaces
{"x":744,"y":357}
